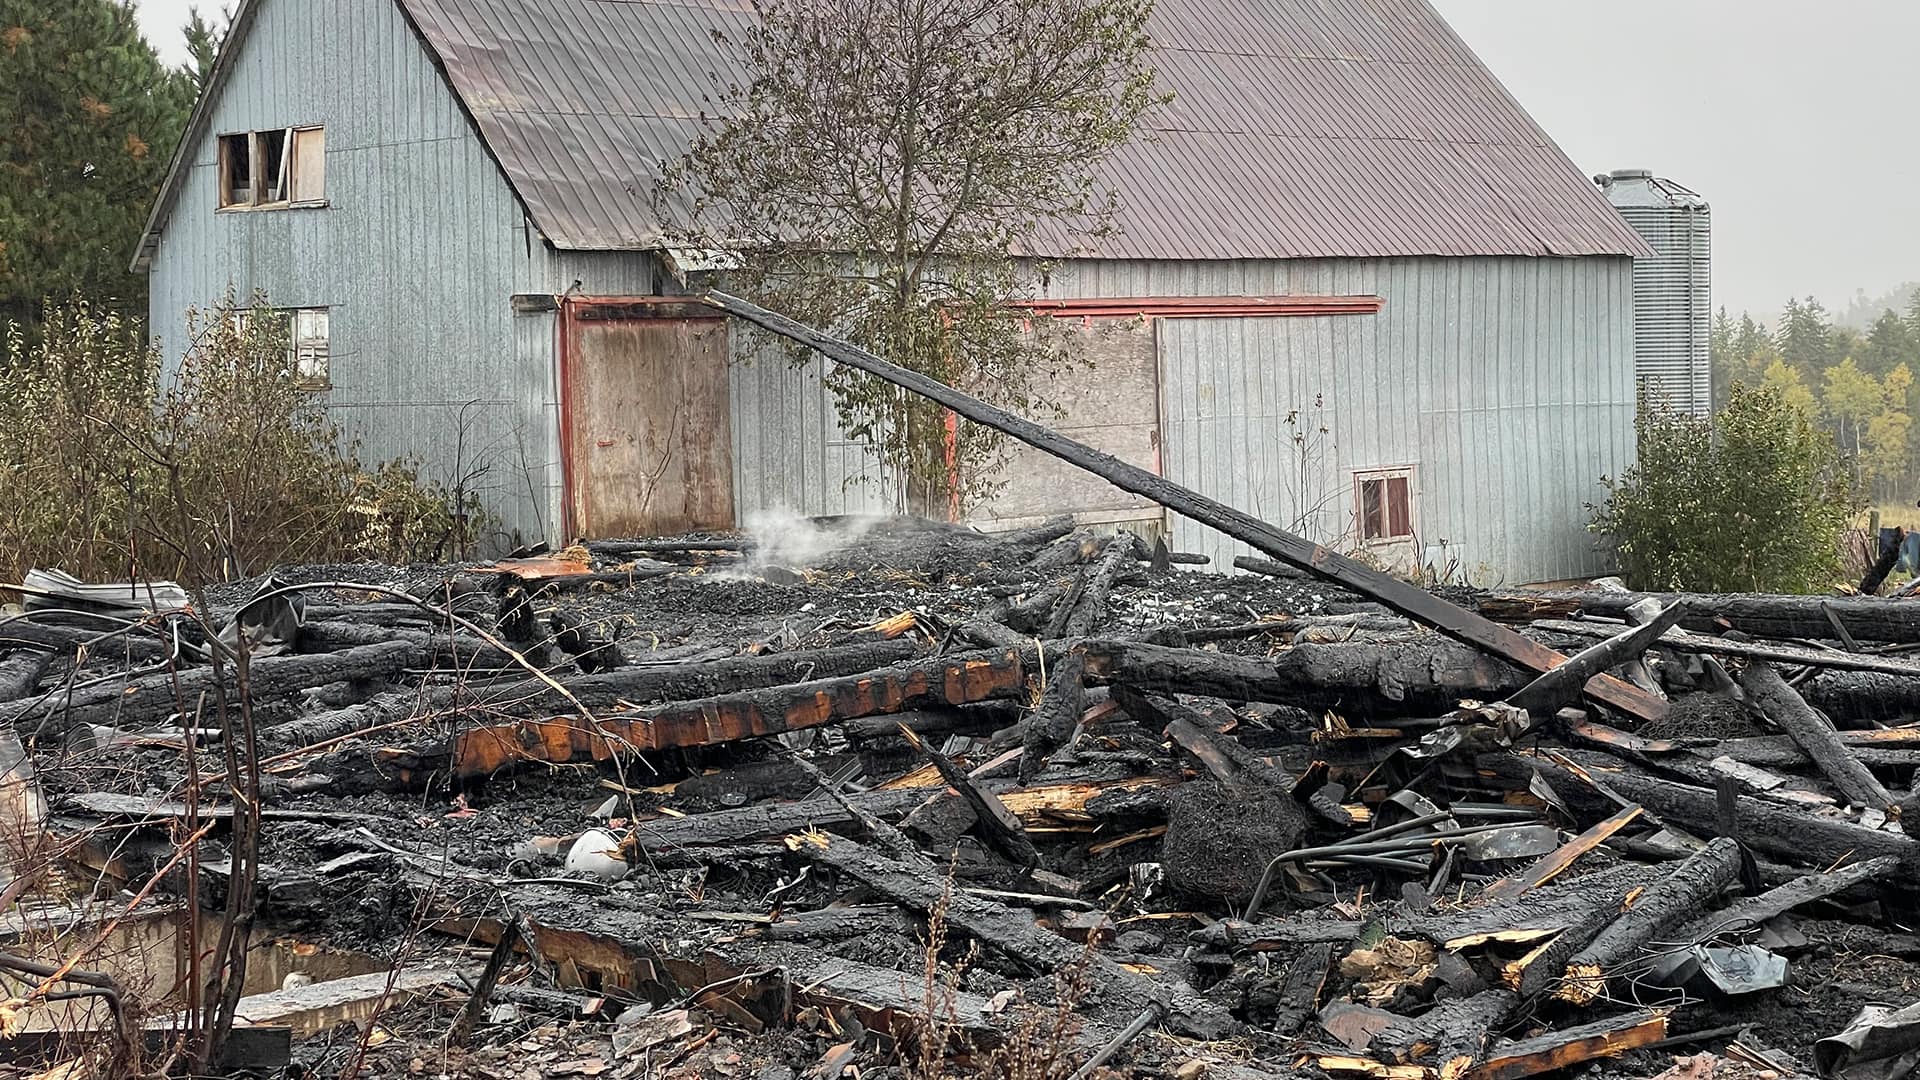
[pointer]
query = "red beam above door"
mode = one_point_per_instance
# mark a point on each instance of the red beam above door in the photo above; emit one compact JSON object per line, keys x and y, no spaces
{"x":1197,"y":307}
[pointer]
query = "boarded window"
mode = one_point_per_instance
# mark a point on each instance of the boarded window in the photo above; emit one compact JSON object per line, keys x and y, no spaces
{"x":1385,"y":505}
{"x":273,"y":168}
{"x":309,"y":165}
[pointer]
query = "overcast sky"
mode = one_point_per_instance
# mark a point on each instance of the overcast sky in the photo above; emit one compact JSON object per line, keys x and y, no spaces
{"x":1795,"y":120}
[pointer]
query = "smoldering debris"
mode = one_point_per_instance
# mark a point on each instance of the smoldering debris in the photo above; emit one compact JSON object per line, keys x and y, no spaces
{"x":978,"y":797}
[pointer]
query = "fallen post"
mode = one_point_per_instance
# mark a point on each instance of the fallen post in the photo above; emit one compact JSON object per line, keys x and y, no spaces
{"x":1867,"y":618}
{"x":1662,"y":906}
{"x":1782,"y":705}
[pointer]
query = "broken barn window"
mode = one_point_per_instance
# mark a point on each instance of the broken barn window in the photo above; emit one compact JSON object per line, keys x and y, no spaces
{"x":1385,"y":499}
{"x":273,"y":168}
{"x":272,"y":148}
{"x":236,"y":170}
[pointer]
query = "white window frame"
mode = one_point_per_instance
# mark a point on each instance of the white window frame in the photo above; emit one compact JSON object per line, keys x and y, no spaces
{"x":300,"y":354}
{"x":1385,"y":473}
{"x":301,"y":166}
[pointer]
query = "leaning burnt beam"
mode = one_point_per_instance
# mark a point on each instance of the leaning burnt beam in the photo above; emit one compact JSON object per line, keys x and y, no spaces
{"x":1403,"y":597}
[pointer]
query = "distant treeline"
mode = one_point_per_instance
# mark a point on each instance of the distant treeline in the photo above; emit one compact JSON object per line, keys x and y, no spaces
{"x":1860,"y":386}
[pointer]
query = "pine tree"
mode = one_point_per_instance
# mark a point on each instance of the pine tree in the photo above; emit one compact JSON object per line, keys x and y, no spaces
{"x":1751,"y":338}
{"x":203,"y":45}
{"x":1806,"y":337}
{"x":1889,"y":344}
{"x":88,"y":118}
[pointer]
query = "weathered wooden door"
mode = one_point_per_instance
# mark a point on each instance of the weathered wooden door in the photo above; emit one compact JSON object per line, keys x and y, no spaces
{"x":648,"y":438}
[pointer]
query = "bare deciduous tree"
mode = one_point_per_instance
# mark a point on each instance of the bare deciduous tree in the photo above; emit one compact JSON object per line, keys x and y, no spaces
{"x":884,"y":166}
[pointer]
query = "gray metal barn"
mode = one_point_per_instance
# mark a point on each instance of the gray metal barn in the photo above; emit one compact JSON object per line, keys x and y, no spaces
{"x":1343,"y":218}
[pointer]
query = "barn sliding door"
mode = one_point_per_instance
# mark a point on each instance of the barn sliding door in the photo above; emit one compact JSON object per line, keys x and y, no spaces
{"x":645,"y":421}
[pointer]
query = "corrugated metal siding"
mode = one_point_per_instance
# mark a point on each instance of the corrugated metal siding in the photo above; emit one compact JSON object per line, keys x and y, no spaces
{"x":1673,"y":305}
{"x":1506,"y":383}
{"x":789,"y":454}
{"x":1298,"y":128}
{"x":417,"y":254}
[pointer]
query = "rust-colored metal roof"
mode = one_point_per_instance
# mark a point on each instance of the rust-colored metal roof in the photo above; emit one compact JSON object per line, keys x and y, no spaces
{"x":1298,"y":128}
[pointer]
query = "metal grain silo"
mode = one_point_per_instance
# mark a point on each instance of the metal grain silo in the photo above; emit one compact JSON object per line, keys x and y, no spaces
{"x":1672,"y":301}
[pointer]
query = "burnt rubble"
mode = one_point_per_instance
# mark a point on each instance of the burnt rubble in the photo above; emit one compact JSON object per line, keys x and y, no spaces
{"x":897,"y":795}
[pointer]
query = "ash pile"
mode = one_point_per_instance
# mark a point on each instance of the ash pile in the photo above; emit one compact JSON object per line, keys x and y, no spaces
{"x":892,"y":798}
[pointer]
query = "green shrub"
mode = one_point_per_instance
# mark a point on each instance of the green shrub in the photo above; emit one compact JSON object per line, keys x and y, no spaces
{"x":1754,"y":499}
{"x":228,"y":468}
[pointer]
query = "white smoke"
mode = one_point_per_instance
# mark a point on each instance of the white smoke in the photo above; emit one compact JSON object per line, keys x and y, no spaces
{"x":790,"y":540}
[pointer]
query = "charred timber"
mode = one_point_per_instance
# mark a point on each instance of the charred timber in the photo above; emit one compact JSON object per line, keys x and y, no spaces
{"x":530,"y":697}
{"x":1795,"y":835}
{"x":1663,"y":906}
{"x":962,"y":679}
{"x":1052,"y":723}
{"x":1789,"y":711}
{"x":1758,"y":614}
{"x":1410,"y":678}
{"x":150,"y":699}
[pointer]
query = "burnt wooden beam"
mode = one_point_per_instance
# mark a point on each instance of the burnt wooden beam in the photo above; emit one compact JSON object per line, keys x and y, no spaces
{"x":1751,"y":912}
{"x":1876,"y":574}
{"x":1301,"y":987}
{"x":1453,"y":1034}
{"x":1560,"y":686}
{"x":1556,"y":1050}
{"x":1759,"y":614}
{"x":680,"y":682}
{"x":1052,"y":723}
{"x":149,"y":699}
{"x":1402,"y":678}
{"x":996,"y":824}
{"x":1800,"y":655}
{"x":1790,"y":712}
{"x":1013,"y":933}
{"x":1410,"y":600}
{"x":1781,"y":752}
{"x":1665,"y":904}
{"x":20,"y":672}
{"x":1793,"y":834}
{"x":961,"y":679}
{"x":1088,"y":606}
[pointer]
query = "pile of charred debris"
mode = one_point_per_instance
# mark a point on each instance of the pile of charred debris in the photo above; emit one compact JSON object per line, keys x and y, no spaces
{"x":898,"y":799}
{"x":872,"y":798}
